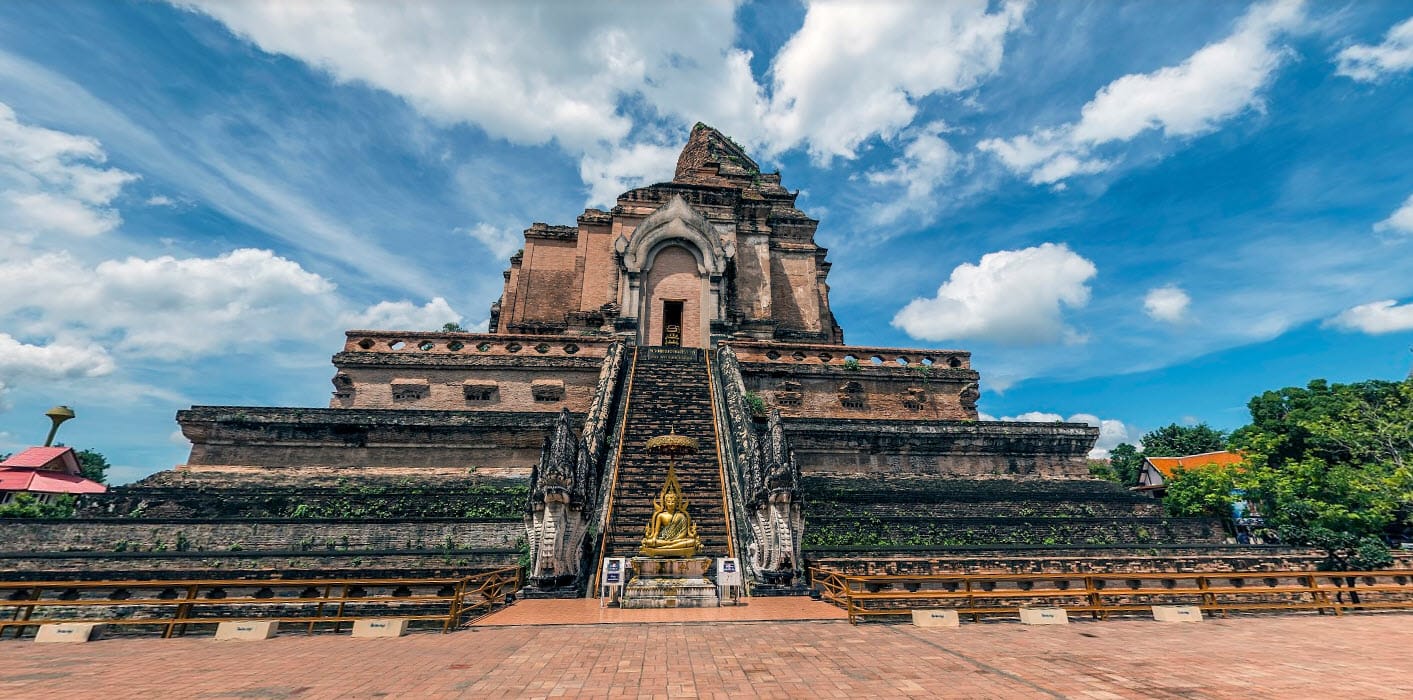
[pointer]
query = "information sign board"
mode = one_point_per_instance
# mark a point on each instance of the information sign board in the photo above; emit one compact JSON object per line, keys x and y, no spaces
{"x":728,"y":572}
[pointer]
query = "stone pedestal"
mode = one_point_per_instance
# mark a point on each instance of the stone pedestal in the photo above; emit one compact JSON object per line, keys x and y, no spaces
{"x":670,"y":583}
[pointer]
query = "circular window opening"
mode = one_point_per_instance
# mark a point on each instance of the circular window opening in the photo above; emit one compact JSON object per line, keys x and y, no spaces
{"x":425,"y":345}
{"x":876,"y":360}
{"x":902,"y":361}
{"x":773,"y":355}
{"x":455,"y":346}
{"x":484,"y":347}
{"x":799,"y":356}
{"x":954,"y":362}
{"x":542,"y":348}
{"x":397,"y":345}
{"x":825,"y":357}
{"x":366,"y":343}
{"x":514,"y":347}
{"x":571,"y":348}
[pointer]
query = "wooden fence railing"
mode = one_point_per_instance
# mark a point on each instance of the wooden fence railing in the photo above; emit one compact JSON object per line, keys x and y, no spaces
{"x":175,"y":605}
{"x":1102,"y":595}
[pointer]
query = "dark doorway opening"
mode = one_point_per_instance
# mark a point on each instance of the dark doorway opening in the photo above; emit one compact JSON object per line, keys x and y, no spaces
{"x":672,"y":324}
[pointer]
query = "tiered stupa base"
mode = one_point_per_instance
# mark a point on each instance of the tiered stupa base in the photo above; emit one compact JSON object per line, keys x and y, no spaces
{"x":670,"y":583}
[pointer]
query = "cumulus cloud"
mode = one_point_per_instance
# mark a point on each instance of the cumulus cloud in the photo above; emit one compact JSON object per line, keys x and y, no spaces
{"x":1012,"y":296}
{"x":1375,"y":318}
{"x":405,"y":315}
{"x":857,"y":69}
{"x":166,"y":307}
{"x":1111,"y":431}
{"x":49,"y":362}
{"x":517,"y":70}
{"x":501,"y":241}
{"x":1219,"y":82}
{"x":1369,"y":63}
{"x":611,"y":172}
{"x":1167,"y":304}
{"x":1400,"y":221}
{"x":53,"y":182}
{"x":927,"y":162}
{"x":853,"y":71}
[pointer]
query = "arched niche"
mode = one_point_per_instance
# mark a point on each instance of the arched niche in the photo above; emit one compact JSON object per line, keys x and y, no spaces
{"x":673,"y":262}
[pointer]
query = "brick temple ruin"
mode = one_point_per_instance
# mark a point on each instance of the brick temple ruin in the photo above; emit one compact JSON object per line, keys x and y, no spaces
{"x":699,"y":306}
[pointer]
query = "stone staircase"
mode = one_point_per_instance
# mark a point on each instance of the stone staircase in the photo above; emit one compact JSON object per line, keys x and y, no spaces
{"x":670,"y":392}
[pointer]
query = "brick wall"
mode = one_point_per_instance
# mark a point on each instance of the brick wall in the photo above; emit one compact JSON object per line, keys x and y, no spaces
{"x":275,"y":437}
{"x":292,"y":535}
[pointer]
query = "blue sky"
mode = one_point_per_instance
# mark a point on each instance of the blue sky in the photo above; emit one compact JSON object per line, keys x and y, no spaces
{"x":1131,"y":213}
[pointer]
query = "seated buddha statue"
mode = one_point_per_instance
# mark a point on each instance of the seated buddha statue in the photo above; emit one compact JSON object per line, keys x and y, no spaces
{"x":670,"y":532}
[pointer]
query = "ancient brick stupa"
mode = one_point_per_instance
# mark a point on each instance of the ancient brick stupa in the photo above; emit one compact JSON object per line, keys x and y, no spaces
{"x":698,"y":306}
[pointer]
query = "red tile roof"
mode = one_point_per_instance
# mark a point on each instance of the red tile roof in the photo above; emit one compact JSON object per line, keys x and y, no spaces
{"x":41,"y":481}
{"x":36,"y":457}
{"x":1166,"y":465}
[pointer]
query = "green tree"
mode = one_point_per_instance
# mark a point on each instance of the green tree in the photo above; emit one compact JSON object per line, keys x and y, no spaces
{"x":1330,"y":465}
{"x":25,"y":505}
{"x":93,"y":465}
{"x":453,"y":328}
{"x":1126,"y":463}
{"x":1181,"y":440}
{"x":1204,"y":491}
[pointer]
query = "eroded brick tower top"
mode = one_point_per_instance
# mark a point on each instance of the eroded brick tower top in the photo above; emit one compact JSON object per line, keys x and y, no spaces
{"x":719,"y":252}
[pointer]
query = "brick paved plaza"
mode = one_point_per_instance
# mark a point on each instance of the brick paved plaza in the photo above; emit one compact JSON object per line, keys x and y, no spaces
{"x":1364,"y":656}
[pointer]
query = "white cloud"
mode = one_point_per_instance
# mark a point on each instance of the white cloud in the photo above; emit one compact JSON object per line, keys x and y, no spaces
{"x":1219,"y":82}
{"x":51,"y":182}
{"x":1369,"y":63}
{"x":404,"y":315}
{"x":52,"y":361}
{"x":927,"y":162}
{"x":1167,"y":304}
{"x":160,"y":201}
{"x":167,"y":307}
{"x":1111,"y":432}
{"x":1012,"y":296}
{"x":503,"y":242}
{"x":521,"y":71}
{"x":1400,"y":221}
{"x":853,"y":71}
{"x":1375,"y":318}
{"x":611,"y":172}
{"x":857,"y":69}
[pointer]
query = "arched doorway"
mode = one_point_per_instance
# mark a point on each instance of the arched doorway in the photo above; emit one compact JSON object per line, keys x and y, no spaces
{"x":676,"y":287}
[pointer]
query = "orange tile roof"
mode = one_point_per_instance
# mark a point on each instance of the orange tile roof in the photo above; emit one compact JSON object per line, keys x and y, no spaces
{"x":1166,"y":465}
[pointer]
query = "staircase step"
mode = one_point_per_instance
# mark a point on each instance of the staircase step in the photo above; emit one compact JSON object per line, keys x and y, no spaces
{"x":670,"y":393}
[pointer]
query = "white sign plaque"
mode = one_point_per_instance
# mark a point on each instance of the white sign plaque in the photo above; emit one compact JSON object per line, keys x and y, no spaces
{"x":728,"y":572}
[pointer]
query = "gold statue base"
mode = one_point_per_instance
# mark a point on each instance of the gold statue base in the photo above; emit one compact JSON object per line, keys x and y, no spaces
{"x":670,"y":583}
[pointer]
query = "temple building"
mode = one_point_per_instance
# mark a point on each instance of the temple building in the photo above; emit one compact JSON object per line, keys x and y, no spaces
{"x":698,"y":307}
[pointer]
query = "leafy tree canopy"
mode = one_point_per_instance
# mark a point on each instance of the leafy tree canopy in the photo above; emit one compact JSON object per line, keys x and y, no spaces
{"x":1181,"y":440}
{"x":25,"y":505}
{"x":1330,"y":465}
{"x":93,"y":465}
{"x":1126,"y":464}
{"x":1205,"y":491}
{"x":453,"y":328}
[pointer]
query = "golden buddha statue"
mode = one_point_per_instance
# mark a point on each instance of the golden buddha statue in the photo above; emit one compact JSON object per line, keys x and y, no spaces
{"x":670,"y":532}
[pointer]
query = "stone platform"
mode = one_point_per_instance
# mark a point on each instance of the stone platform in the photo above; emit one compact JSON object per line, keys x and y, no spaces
{"x":670,"y":583}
